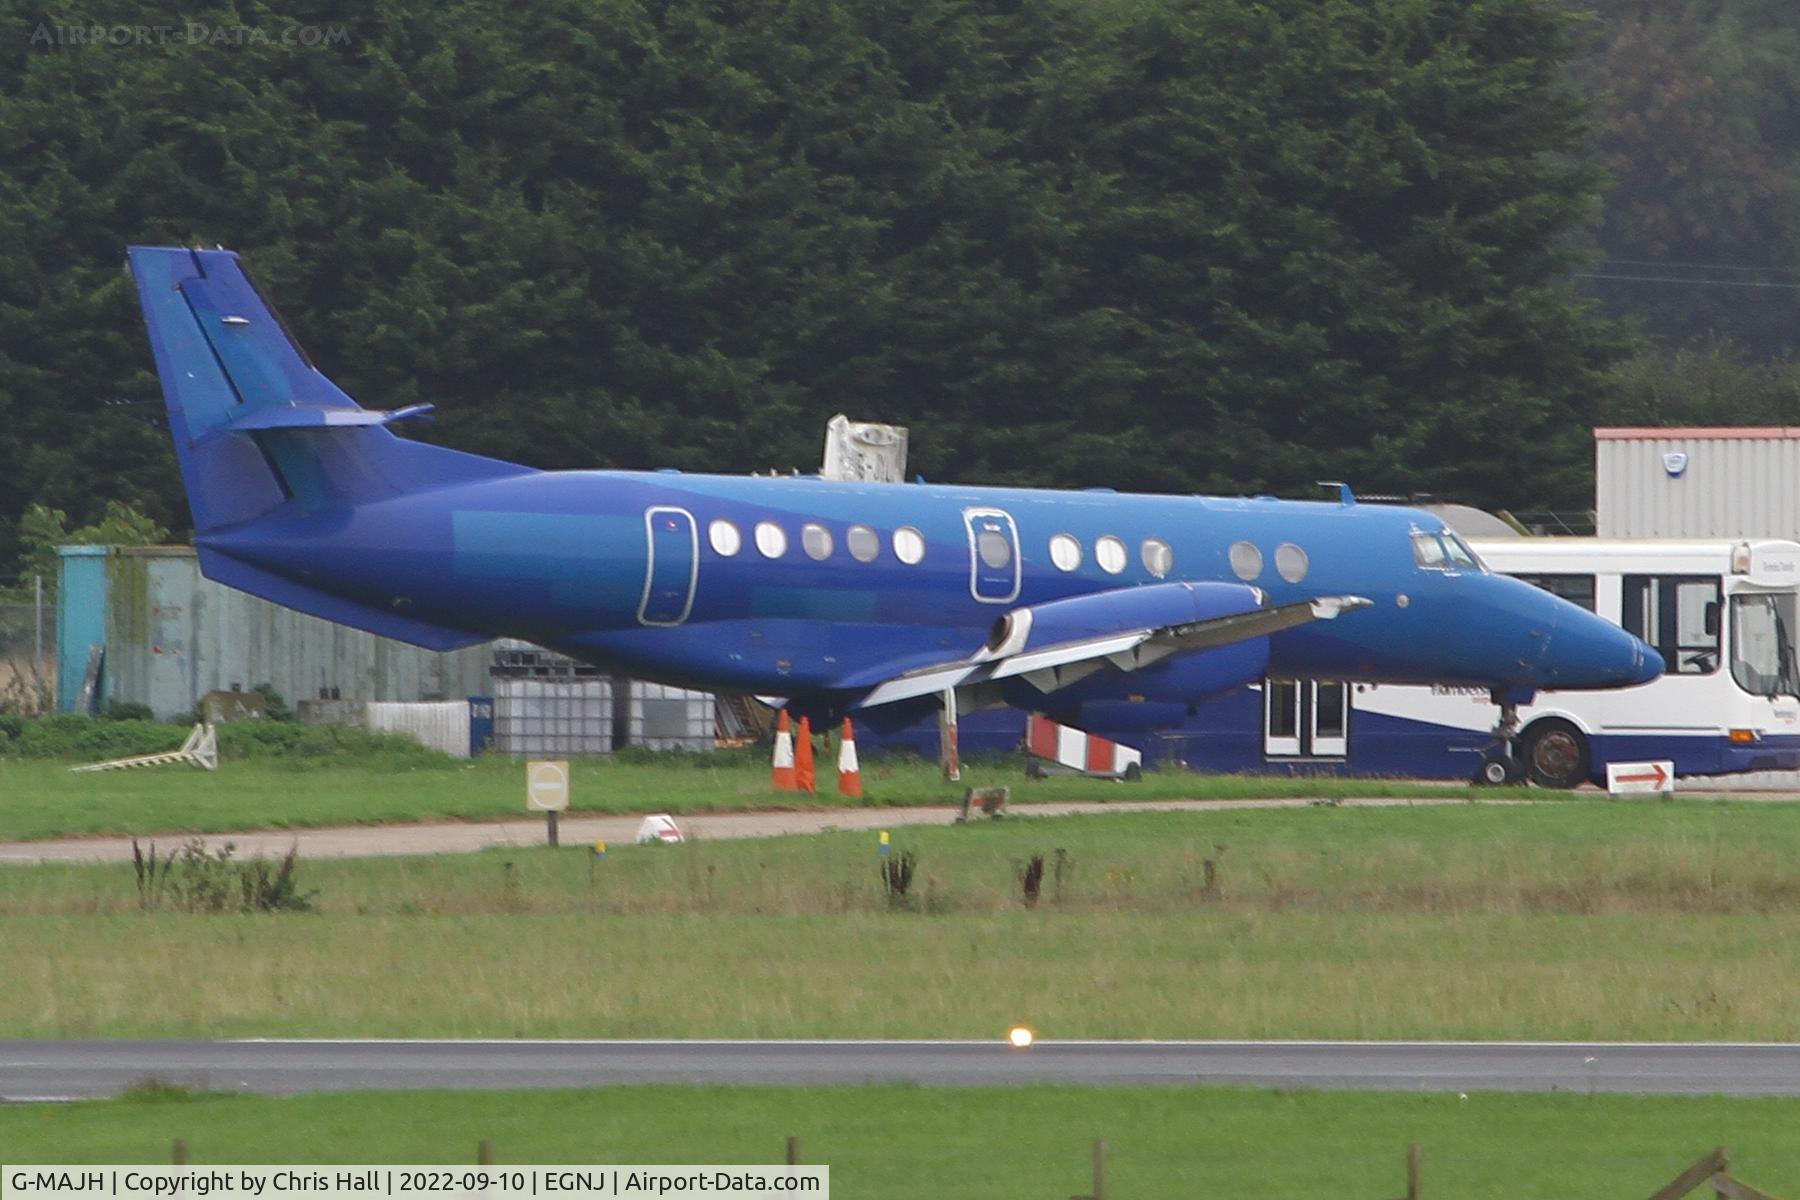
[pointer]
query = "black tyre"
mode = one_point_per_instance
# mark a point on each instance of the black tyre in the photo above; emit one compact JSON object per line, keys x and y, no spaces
{"x":1555,"y":754}
{"x":1132,"y":773}
{"x":1495,"y":772}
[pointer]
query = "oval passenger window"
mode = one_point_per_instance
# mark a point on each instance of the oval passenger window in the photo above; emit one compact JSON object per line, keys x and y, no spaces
{"x":725,"y":538}
{"x":864,"y":543}
{"x":1246,"y":560}
{"x":1290,"y":562}
{"x":771,"y":539}
{"x":909,"y":545}
{"x":1158,"y":558}
{"x":1109,"y":552}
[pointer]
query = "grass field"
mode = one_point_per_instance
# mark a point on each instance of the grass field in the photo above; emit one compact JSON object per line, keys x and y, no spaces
{"x":902,"y":1143}
{"x":41,"y":799}
{"x":1586,"y":919}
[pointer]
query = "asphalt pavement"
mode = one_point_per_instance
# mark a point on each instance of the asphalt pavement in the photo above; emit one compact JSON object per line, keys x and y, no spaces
{"x":60,"y":1070}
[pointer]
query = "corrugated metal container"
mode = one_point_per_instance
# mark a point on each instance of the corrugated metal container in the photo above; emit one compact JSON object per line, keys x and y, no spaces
{"x":1697,"y":482}
{"x":171,"y":636}
{"x":550,"y":718}
{"x":670,"y":718}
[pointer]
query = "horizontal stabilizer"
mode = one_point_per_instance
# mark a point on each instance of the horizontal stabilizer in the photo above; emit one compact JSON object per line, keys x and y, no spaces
{"x":233,"y":573}
{"x":318,"y":417}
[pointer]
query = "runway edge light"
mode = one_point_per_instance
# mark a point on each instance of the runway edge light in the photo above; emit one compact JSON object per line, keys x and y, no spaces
{"x":1020,"y":1037}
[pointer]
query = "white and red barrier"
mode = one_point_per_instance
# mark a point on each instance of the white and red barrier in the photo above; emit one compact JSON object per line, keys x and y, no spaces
{"x":1079,"y":750}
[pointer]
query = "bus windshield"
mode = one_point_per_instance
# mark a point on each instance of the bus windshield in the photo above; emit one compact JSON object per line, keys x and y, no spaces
{"x":1762,"y":644}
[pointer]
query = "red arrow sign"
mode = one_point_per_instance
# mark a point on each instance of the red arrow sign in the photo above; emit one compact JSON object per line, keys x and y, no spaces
{"x":1657,"y":775}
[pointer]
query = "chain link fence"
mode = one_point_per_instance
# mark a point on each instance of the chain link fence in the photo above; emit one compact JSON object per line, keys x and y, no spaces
{"x":27,"y":653}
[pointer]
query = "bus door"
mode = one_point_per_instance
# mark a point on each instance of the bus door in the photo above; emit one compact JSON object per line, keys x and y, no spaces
{"x":1306,"y":718}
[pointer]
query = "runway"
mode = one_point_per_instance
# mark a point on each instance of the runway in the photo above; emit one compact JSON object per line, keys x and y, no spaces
{"x":64,"y":1070}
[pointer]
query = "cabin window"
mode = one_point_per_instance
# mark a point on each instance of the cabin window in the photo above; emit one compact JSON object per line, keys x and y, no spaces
{"x":1109,"y":552}
{"x":725,"y":538}
{"x":771,"y":539}
{"x":864,"y":543}
{"x":1679,"y":615}
{"x":1290,"y":562}
{"x":1246,"y":560}
{"x":995,"y":549}
{"x":909,"y":545}
{"x":1065,"y":552}
{"x":816,"y":541}
{"x":1576,"y":589}
{"x":1158,"y":558}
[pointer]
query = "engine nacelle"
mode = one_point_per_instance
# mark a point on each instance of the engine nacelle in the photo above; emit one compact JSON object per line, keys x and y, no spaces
{"x":1156,"y":606}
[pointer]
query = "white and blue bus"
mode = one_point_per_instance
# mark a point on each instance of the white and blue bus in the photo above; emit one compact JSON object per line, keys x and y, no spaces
{"x":1723,"y":614}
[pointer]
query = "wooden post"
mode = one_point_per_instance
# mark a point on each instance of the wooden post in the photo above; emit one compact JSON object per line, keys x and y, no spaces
{"x":484,"y":1152}
{"x":793,"y":1150}
{"x":550,"y":821}
{"x":1412,"y":1172}
{"x":178,"y":1152}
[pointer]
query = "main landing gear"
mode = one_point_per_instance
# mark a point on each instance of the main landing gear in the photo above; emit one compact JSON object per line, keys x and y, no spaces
{"x":1501,"y":765}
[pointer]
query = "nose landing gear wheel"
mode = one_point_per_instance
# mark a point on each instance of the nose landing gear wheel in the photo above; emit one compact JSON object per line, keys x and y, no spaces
{"x":1498,"y":770}
{"x":1501,"y":766}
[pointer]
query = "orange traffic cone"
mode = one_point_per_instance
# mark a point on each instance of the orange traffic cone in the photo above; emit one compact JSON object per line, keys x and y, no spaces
{"x":849,"y":774}
{"x":805,"y":780}
{"x":781,"y":777}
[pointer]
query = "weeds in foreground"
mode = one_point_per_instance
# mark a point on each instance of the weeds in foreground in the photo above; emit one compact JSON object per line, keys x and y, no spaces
{"x":198,"y":879}
{"x":897,"y":876}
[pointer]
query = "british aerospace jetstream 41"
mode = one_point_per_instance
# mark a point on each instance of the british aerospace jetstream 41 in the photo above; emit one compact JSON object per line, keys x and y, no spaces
{"x":889,"y":598}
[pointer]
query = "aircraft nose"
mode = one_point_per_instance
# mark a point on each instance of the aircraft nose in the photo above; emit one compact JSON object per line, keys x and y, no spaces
{"x":1590,"y":652}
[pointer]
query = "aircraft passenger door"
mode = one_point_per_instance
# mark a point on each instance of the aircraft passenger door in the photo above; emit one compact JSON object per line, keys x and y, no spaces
{"x":1306,"y":718}
{"x":993,"y":555}
{"x":672,"y":567}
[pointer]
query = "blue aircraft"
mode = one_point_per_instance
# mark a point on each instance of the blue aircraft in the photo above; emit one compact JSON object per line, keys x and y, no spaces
{"x":889,"y":600}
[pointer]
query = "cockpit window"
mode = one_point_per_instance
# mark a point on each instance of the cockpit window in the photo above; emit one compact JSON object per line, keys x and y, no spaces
{"x":1427,"y":550}
{"x":1460,"y":554}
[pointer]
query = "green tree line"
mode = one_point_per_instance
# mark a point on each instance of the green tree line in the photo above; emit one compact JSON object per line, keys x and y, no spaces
{"x":1233,"y":245}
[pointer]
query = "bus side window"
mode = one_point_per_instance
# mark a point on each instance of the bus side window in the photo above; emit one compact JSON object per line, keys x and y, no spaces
{"x":1576,"y":589}
{"x":1679,"y":615}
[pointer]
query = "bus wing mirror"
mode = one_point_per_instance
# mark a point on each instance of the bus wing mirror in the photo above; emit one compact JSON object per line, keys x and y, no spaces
{"x":1712,"y":619}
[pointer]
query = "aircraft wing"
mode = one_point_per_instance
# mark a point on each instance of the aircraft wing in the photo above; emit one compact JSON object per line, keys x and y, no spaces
{"x":1055,"y":666}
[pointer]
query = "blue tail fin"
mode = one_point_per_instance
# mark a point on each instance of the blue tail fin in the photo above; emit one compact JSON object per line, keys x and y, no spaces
{"x":256,"y":426}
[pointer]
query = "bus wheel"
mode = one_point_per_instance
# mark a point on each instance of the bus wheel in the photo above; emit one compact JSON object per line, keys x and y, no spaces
{"x":1555,"y":754}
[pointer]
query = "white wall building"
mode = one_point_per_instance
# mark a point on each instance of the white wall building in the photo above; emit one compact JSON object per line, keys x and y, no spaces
{"x":1705,"y":481}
